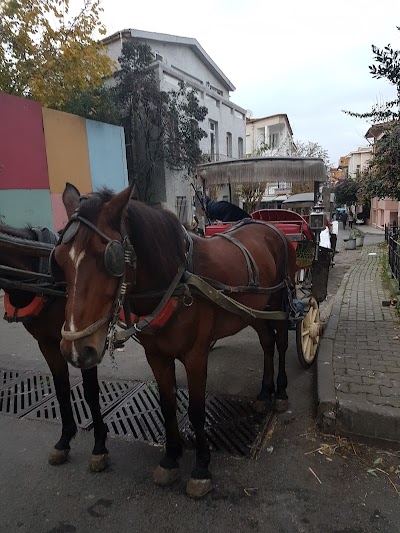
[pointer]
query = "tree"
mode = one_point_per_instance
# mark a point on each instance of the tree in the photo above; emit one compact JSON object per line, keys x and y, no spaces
{"x":49,"y":55}
{"x":312,"y":149}
{"x":381,"y":178}
{"x":252,"y":194}
{"x":160,"y":127}
{"x":346,"y":192}
{"x":388,"y":66}
{"x":309,"y":149}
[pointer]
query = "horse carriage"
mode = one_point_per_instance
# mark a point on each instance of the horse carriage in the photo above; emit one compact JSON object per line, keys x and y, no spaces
{"x":313,"y":261}
{"x":132,"y":271}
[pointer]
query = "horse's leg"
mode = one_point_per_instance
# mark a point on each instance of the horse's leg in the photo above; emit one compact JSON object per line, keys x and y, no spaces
{"x":266,"y":335}
{"x":99,"y":459}
{"x":282,"y":341}
{"x":163,"y":368}
{"x":199,"y":483}
{"x":59,"y":370}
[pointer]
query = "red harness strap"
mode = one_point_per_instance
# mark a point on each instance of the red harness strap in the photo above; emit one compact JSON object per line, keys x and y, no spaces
{"x":15,"y":314}
{"x":158,"y":321}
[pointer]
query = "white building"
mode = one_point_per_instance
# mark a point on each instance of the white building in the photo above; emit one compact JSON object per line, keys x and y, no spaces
{"x":183,"y":59}
{"x":271,"y":136}
{"x":358,"y":160}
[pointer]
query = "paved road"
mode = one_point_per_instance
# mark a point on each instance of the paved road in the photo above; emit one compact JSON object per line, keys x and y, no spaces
{"x":301,"y":481}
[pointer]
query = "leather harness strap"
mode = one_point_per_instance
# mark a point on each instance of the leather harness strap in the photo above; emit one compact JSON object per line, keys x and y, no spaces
{"x":252,"y":269}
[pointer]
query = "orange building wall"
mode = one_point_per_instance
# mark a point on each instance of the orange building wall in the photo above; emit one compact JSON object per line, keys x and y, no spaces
{"x":67,"y":151}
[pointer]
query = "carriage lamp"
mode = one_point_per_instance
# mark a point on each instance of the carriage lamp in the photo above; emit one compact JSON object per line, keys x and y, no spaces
{"x":317,"y":218}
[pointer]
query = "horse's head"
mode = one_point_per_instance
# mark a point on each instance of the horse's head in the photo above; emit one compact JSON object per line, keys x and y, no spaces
{"x":90,"y":257}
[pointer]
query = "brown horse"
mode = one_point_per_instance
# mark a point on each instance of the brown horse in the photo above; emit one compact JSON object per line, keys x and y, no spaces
{"x":88,"y":258}
{"x":46,"y":329}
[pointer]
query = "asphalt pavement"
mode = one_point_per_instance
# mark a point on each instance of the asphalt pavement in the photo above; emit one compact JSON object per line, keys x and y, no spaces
{"x":300,"y":480}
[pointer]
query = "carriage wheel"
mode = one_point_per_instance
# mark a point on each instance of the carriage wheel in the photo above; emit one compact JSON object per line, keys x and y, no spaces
{"x":308,"y":335}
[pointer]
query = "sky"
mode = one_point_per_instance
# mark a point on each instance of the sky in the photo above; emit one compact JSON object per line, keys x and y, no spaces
{"x":307,"y":59}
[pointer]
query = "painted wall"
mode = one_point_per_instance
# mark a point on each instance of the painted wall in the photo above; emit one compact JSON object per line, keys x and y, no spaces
{"x":22,"y":146}
{"x":107,"y":156}
{"x":22,"y":207}
{"x":67,"y":151}
{"x":41,"y":149}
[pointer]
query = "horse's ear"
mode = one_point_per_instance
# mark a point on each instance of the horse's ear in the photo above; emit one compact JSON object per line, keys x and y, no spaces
{"x":117,"y":204}
{"x":70,"y":198}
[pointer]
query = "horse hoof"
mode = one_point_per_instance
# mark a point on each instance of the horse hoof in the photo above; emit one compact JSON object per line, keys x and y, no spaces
{"x":261,"y":407}
{"x":281,"y":406}
{"x":198,"y":488}
{"x":98,"y":463}
{"x":57,"y":457}
{"x":165,"y":476}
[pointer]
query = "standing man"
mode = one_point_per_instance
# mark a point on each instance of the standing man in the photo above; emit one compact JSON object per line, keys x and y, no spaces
{"x":344,"y":219}
{"x":351,"y":219}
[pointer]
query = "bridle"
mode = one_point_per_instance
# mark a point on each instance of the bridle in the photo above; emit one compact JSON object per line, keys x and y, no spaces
{"x":117,"y":256}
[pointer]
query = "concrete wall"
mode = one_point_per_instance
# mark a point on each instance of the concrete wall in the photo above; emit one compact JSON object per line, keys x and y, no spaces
{"x":67,"y":151}
{"x":22,"y":207}
{"x":107,"y":156}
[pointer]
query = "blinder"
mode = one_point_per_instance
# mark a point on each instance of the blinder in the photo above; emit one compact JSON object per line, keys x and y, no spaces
{"x":114,"y":258}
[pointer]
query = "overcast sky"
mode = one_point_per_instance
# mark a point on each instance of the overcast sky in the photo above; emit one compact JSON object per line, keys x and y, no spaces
{"x":307,"y":59}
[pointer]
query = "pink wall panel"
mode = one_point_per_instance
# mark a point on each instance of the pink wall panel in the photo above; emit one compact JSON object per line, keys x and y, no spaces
{"x":59,"y":213}
{"x":23,"y":163}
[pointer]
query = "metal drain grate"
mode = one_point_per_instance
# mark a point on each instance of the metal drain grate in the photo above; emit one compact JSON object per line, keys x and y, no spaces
{"x":138,"y":417}
{"x":7,"y":377}
{"x":231,"y":423}
{"x":21,"y":396}
{"x":111,"y":392}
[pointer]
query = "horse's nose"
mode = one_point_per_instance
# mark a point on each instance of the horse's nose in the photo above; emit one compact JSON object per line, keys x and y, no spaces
{"x":88,"y":357}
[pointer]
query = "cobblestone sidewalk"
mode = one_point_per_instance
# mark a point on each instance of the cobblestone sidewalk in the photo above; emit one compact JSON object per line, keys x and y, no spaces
{"x":359,"y":359}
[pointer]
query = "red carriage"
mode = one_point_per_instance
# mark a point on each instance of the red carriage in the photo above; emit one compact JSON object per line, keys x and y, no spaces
{"x":313,"y":262}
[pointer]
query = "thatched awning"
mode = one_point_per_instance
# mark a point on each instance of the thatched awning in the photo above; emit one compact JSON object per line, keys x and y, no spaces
{"x":264,"y":169}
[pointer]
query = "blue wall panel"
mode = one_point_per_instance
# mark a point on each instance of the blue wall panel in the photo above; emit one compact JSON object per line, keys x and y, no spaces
{"x":107,"y":156}
{"x":26,"y":206}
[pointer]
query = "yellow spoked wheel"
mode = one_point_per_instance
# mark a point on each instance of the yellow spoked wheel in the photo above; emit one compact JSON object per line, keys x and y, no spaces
{"x":308,"y":333}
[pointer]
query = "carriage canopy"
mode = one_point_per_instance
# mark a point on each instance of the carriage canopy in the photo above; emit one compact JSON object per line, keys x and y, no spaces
{"x":264,"y":169}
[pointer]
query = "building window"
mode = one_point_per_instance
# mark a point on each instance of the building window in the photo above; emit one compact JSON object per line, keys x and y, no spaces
{"x":240,"y":147}
{"x":261,"y":136}
{"x":213,"y":135}
{"x":273,"y":140}
{"x":159,"y":57}
{"x":229,"y":144}
{"x":181,"y":209}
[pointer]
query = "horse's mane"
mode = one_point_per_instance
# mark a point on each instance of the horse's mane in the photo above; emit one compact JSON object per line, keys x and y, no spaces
{"x":158,"y":239}
{"x":155,"y":233}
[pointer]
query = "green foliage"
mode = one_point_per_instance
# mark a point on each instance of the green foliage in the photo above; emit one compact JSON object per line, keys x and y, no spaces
{"x":381,"y":178}
{"x":387,"y":66}
{"x":160,"y":127}
{"x":48,"y":54}
{"x":346,"y":192}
